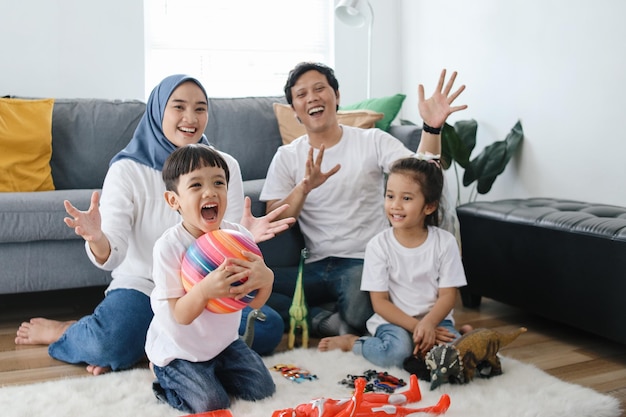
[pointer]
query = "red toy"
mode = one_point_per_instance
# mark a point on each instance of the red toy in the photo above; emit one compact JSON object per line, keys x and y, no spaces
{"x":216,"y":413}
{"x":367,"y":404}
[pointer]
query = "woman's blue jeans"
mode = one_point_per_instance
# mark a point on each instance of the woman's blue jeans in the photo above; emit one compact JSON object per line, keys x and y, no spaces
{"x":197,"y":387}
{"x":330,"y":280}
{"x":391,"y":344}
{"x":114,"y":335}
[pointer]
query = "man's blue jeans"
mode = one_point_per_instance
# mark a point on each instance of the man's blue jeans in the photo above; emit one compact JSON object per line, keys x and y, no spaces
{"x":196,"y":387}
{"x":114,"y":335}
{"x":330,"y":280}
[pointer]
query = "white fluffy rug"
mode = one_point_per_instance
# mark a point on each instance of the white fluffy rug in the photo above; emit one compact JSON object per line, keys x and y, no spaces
{"x":522,"y":391}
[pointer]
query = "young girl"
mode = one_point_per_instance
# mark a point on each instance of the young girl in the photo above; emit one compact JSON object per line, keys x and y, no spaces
{"x":412,"y":271}
{"x":197,"y":356}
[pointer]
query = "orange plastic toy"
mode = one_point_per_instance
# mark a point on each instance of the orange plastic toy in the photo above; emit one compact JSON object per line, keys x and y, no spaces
{"x":367,"y":404}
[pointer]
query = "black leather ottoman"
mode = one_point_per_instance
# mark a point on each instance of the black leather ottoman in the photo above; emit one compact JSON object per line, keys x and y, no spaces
{"x":561,"y":259}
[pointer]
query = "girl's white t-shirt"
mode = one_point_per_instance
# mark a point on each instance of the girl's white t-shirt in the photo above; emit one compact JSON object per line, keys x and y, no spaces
{"x":412,"y":276}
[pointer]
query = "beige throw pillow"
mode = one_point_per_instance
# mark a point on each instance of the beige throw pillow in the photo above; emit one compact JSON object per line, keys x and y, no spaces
{"x":290,"y":128}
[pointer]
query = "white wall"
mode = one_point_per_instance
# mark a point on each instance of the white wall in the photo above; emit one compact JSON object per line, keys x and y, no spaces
{"x":559,"y":66}
{"x":351,"y":54}
{"x":72,"y":48}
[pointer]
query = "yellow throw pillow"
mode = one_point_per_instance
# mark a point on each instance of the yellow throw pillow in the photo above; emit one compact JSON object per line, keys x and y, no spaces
{"x":25,"y":145}
{"x":290,"y":128}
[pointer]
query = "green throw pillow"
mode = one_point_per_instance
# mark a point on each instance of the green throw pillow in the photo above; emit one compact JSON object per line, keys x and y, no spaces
{"x":389,"y":106}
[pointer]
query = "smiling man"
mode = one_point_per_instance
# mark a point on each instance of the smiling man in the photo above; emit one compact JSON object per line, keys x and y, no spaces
{"x":333,"y":180}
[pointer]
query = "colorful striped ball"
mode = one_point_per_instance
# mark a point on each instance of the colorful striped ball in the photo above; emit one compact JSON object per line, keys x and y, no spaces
{"x":206,"y":254}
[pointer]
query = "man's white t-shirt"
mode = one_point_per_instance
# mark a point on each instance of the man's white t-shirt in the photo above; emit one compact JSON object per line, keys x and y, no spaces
{"x":205,"y":337}
{"x":343,"y":214}
{"x":135,"y":214}
{"x":412,"y":276}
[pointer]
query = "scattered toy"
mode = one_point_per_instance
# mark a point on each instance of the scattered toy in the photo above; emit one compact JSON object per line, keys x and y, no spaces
{"x":474,"y":353}
{"x":375,"y":381}
{"x":367,"y":404}
{"x":294,"y":373}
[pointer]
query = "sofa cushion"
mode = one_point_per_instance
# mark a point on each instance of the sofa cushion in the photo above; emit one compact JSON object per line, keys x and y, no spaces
{"x":389,"y":106}
{"x":86,"y":134}
{"x":245,"y":128}
{"x":25,"y":145}
{"x":290,"y":128}
{"x":28,"y":217}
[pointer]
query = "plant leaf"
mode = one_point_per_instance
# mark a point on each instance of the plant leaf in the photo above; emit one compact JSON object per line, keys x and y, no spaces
{"x":453,"y":148}
{"x":492,"y":161}
{"x":466,"y":129}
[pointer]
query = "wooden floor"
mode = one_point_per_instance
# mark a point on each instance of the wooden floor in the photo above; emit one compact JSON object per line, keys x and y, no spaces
{"x":561,"y":351}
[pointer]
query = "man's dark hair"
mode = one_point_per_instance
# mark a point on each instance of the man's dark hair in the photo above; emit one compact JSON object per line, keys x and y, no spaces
{"x":189,"y":158}
{"x":303,"y":67}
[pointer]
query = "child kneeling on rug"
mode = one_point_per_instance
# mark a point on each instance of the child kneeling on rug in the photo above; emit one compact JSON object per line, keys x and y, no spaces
{"x":197,"y":356}
{"x":411,"y":270}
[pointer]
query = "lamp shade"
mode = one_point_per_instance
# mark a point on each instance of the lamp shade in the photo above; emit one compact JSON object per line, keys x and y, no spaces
{"x":351,"y":12}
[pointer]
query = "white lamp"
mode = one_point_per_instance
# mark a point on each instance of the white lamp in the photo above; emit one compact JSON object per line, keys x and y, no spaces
{"x":352,"y":13}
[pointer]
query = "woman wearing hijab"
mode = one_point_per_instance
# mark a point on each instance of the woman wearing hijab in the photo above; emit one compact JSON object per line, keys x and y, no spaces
{"x":120,"y":230}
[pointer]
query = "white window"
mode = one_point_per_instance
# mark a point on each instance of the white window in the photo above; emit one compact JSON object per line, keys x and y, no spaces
{"x":236,"y":48}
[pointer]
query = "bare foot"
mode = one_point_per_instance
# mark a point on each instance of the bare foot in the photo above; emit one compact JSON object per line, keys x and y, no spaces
{"x":97,"y":370}
{"x":343,"y":342}
{"x":40,"y":331}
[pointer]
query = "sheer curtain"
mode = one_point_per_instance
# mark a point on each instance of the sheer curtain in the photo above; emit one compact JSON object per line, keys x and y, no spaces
{"x":237,"y":48}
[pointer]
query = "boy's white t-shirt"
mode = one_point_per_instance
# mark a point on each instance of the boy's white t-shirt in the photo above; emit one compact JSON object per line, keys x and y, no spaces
{"x":204,"y":338}
{"x":343,"y":214}
{"x":412,"y":276}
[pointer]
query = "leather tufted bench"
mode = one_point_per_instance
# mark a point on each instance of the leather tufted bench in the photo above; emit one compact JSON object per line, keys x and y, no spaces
{"x":561,"y":259}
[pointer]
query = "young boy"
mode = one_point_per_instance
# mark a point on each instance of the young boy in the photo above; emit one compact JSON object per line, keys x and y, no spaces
{"x":197,"y":356}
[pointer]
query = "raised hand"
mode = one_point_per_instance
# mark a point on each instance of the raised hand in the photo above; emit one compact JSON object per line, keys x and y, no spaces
{"x":435,"y":110}
{"x":265,"y":227}
{"x":313,"y":176}
{"x":85,"y":223}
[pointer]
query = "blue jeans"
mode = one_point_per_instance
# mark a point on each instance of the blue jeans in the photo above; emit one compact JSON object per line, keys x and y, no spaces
{"x":114,"y":335}
{"x":330,"y":280}
{"x":391,"y":344}
{"x":197,"y":387}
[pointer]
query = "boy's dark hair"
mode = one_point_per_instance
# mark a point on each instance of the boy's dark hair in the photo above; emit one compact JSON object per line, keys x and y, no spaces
{"x":429,"y":175}
{"x":303,"y":67}
{"x":189,"y":158}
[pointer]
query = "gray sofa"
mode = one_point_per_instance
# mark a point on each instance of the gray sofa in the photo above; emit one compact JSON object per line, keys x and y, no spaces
{"x":38,"y":252}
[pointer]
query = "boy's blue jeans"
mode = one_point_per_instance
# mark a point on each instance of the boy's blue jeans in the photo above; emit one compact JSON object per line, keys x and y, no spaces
{"x":196,"y":387}
{"x":391,"y":344}
{"x":114,"y":335}
{"x":330,"y":280}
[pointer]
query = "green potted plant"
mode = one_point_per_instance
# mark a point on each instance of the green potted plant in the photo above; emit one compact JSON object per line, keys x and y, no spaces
{"x":457,"y":144}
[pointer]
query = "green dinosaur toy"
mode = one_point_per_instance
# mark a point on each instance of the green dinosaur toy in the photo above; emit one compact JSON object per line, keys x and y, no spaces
{"x":298,"y":311}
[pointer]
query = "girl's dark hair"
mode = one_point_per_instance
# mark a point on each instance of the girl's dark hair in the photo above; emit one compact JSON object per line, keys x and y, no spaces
{"x":189,"y":158}
{"x":429,"y":176}
{"x":303,"y":67}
